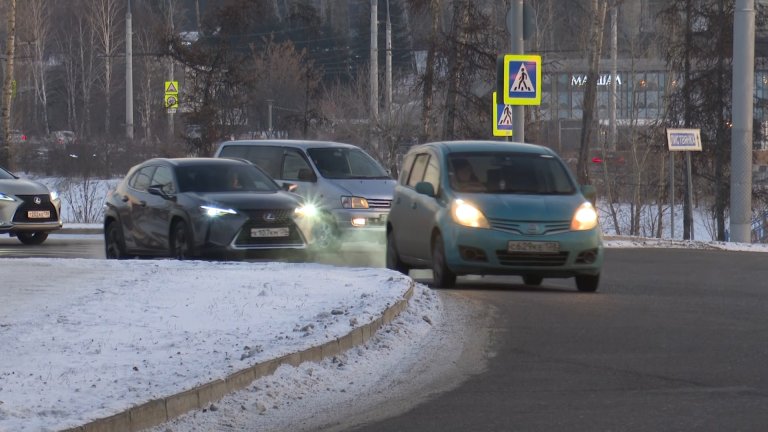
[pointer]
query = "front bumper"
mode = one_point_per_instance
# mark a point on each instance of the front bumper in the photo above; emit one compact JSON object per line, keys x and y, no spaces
{"x":485,"y":251}
{"x":14,"y":215}
{"x":361,"y":224}
{"x":235,"y":233}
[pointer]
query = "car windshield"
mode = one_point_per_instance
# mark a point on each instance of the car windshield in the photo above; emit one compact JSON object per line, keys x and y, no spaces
{"x":513,"y":173}
{"x":223,"y":178}
{"x":346,"y":163}
{"x":5,"y":175}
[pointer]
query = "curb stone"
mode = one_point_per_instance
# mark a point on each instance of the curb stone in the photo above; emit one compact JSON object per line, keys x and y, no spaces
{"x":156,"y":412}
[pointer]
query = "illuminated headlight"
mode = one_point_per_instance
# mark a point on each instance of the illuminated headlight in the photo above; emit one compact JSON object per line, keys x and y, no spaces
{"x":468,"y":215}
{"x":216,"y":211}
{"x":54,"y":195}
{"x":354,"y":202}
{"x":307,"y":210}
{"x":4,"y":197}
{"x":585,"y":218}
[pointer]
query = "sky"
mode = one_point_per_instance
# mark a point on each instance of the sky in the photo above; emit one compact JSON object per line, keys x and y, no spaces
{"x":89,"y":338}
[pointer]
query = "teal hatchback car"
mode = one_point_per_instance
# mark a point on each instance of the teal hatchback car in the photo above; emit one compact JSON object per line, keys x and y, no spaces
{"x":493,"y":208}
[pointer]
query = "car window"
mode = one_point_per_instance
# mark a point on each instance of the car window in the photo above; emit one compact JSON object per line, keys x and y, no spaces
{"x":268,"y":158}
{"x":5,"y":175}
{"x":141,"y":180}
{"x":346,"y":163}
{"x":293,"y":164}
{"x":406,"y":169}
{"x":432,"y":173}
{"x":419,"y":166}
{"x":163,"y":178}
{"x":237,"y":177}
{"x":496,"y":172}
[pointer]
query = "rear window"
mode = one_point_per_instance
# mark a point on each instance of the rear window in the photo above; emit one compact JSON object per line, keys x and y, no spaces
{"x":513,"y":173}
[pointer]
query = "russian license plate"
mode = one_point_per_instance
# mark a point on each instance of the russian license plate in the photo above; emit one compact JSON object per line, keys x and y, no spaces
{"x":533,"y":246}
{"x":270,"y":232}
{"x":38,"y":214}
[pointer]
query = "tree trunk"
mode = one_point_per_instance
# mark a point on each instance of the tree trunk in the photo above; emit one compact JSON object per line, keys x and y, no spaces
{"x":6,"y":153}
{"x":429,"y":73}
{"x":590,"y":95}
{"x":455,"y":64}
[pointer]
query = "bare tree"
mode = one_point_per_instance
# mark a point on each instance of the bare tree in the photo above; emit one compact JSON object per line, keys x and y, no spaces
{"x":38,"y":24}
{"x":599,"y":8}
{"x":103,"y":16}
{"x":6,"y":156}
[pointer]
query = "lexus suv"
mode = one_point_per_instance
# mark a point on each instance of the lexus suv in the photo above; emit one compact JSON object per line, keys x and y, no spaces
{"x":28,"y":209}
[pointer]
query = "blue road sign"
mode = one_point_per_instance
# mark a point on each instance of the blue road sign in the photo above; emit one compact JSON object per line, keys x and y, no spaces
{"x":522,"y":79}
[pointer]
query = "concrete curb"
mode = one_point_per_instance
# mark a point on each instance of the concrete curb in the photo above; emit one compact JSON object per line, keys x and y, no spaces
{"x":65,"y":230}
{"x":156,"y":412}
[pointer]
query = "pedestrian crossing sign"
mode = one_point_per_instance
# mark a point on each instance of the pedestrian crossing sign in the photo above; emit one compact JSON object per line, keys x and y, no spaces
{"x":502,"y":118}
{"x":171,"y":87}
{"x":522,"y":79}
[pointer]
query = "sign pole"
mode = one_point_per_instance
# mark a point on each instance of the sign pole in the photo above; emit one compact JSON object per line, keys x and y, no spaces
{"x":515,"y":28}
{"x":672,"y":191}
{"x":689,"y":194}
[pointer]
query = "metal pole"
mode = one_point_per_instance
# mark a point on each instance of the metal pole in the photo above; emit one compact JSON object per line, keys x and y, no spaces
{"x":128,"y":75}
{"x":269,"y":117}
{"x":518,"y":47}
{"x":374,"y":115}
{"x":613,"y":141}
{"x":672,"y":191}
{"x":689,"y":194}
{"x":171,"y":132}
{"x":741,"y":133}
{"x":388,"y":82}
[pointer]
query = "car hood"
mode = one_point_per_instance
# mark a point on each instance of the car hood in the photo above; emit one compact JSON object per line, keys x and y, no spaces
{"x":546,"y":208}
{"x":250,"y":200}
{"x":368,"y":188}
{"x":22,"y":187}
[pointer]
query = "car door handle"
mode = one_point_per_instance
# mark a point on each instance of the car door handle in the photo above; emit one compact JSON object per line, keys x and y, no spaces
{"x":125,"y":198}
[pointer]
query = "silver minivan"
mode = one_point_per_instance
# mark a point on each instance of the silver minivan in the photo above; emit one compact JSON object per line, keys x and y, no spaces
{"x":351,"y":190}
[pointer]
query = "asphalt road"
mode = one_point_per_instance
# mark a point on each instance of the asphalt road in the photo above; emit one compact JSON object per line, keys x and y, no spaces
{"x":675,"y":340}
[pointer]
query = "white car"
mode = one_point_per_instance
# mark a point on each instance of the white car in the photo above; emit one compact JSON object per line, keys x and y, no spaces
{"x":28,"y":210}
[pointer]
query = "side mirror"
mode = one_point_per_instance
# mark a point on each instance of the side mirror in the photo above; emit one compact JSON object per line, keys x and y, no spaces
{"x":290,"y":187}
{"x":425,"y":188}
{"x":589,"y":193}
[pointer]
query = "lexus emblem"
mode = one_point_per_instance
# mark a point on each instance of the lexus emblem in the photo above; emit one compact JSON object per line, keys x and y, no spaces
{"x":37,"y":200}
{"x":269,"y":217}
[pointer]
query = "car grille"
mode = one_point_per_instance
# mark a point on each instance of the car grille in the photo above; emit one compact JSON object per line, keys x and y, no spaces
{"x":524,"y":259}
{"x":379,"y":203}
{"x":29,"y":205}
{"x":529,"y":227}
{"x":269,"y":219}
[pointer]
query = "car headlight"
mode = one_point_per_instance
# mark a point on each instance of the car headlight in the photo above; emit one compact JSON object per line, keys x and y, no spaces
{"x":354,"y":202}
{"x":4,"y":197}
{"x":585,"y":218}
{"x":468,"y":215}
{"x":212,"y":211}
{"x":307,"y":210}
{"x":54,"y":195}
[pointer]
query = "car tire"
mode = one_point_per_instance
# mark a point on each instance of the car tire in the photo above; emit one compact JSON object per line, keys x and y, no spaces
{"x":393,"y":257}
{"x":587,"y":283}
{"x":114,"y":245}
{"x":532,"y":280}
{"x":32,"y":238}
{"x":181,"y":241}
{"x":442,"y":276}
{"x":325,"y":236}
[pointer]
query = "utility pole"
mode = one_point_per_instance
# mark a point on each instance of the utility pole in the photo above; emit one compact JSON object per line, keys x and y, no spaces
{"x":128,"y":74}
{"x":741,"y":133}
{"x":388,"y":82}
{"x":613,"y":137}
{"x":171,"y":132}
{"x":373,"y":120}
{"x":515,"y":27}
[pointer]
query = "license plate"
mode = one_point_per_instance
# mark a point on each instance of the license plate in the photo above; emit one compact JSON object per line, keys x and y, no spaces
{"x":533,"y":246}
{"x":270,"y":232}
{"x":38,"y":214}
